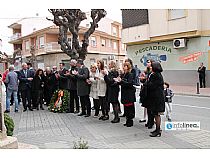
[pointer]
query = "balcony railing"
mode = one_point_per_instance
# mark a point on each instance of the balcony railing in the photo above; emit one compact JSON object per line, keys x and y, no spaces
{"x":15,"y":36}
{"x":52,"y":46}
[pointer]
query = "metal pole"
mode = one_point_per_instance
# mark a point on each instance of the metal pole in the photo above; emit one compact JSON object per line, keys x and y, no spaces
{"x":198,"y":88}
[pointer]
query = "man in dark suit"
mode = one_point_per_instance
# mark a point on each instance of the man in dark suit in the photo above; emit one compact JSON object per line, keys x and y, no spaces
{"x":63,"y":80}
{"x":25,"y":77}
{"x":73,"y":87}
{"x":202,"y":75}
{"x":83,"y":88}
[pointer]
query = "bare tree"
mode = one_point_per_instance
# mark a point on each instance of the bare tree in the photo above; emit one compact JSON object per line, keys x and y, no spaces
{"x":8,"y":59}
{"x":69,"y":20}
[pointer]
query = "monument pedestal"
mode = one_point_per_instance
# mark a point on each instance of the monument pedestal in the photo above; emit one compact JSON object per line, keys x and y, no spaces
{"x":9,"y":143}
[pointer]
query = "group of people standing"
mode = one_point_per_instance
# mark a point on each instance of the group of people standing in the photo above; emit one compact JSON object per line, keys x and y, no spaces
{"x":102,"y":84}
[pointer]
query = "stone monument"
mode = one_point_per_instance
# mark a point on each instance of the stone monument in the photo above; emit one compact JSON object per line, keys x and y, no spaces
{"x":5,"y":142}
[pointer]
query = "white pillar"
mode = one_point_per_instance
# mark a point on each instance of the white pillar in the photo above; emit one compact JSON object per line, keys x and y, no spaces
{"x":3,"y":133}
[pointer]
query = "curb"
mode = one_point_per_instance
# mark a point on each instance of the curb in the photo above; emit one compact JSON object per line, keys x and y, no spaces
{"x":197,"y":95}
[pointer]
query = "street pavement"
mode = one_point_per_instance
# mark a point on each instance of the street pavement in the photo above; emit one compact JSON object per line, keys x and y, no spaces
{"x":60,"y":130}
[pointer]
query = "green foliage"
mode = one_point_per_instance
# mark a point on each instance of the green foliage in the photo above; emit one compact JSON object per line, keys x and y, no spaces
{"x":65,"y":101}
{"x":9,"y":123}
{"x":81,"y":144}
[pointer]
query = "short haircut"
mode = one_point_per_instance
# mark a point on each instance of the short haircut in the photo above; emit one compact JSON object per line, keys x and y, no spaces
{"x":11,"y":67}
{"x":167,"y":84}
{"x":29,"y":64}
{"x":62,"y":64}
{"x":80,"y":61}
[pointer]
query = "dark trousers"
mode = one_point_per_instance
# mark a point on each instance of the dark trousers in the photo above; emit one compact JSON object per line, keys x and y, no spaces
{"x":104,"y":105}
{"x":48,"y":95}
{"x":96,"y":106}
{"x":26,"y":95}
{"x":38,"y":98}
{"x":151,"y":117}
{"x":73,"y":97}
{"x":202,"y":81}
{"x":85,"y":104}
{"x":129,"y":112}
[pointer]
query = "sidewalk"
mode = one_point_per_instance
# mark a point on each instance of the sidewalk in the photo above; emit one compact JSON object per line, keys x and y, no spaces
{"x":190,"y":90}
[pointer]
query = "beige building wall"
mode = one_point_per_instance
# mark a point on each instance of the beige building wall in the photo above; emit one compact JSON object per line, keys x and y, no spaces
{"x":160,"y":24}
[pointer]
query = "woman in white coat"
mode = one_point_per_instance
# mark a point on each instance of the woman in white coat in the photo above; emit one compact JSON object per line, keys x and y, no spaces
{"x":102,"y":87}
{"x":93,"y":89}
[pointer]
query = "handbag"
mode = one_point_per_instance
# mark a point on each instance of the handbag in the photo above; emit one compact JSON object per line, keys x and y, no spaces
{"x":143,"y":93}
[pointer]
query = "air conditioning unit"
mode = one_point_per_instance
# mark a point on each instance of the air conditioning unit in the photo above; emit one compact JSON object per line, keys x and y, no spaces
{"x":179,"y":43}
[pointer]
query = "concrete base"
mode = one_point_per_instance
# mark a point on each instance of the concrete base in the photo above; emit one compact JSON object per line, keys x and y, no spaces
{"x":26,"y":146}
{"x":9,"y":143}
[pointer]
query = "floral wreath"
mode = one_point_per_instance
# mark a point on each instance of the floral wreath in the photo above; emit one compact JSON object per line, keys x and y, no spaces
{"x":59,"y":101}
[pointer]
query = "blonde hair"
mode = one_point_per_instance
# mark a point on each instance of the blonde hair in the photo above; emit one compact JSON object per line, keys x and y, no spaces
{"x":114,"y":65}
{"x":93,"y":65}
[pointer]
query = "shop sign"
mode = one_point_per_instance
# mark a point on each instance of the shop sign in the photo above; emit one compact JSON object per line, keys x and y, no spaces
{"x":190,"y":58}
{"x":152,"y":48}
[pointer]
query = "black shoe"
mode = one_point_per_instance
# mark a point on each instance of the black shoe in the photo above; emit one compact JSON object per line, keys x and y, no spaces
{"x":122,"y":115}
{"x":31,"y":109}
{"x":76,"y":112}
{"x":156,"y":133}
{"x":6,"y":111}
{"x":87,"y":115}
{"x":105,"y":118}
{"x":42,"y":108}
{"x":81,"y":114}
{"x":140,"y":121}
{"x":16,"y":110}
{"x":116,"y":120}
{"x":130,"y":123}
{"x":92,"y":108}
{"x":24,"y":110}
{"x":36,"y":108}
{"x":101,"y":118}
{"x":146,"y":125}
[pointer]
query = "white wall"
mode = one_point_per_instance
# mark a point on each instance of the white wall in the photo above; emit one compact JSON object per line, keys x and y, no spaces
{"x":29,"y":24}
{"x":135,"y":34}
{"x":103,"y":25}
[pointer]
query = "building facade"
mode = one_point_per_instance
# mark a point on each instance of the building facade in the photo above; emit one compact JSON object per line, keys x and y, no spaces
{"x":43,"y":42}
{"x":178,"y":38}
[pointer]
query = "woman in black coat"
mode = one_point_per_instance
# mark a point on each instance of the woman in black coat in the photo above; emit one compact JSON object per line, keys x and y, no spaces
{"x":127,"y":93}
{"x":113,"y":90}
{"x":38,"y":88}
{"x":143,"y":95}
{"x":155,"y":94}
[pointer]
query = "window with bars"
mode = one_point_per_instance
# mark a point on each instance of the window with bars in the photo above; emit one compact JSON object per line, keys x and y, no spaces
{"x":103,"y":42}
{"x":41,"y":42}
{"x":93,"y":41}
{"x":115,"y":45}
{"x":27,"y":45}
